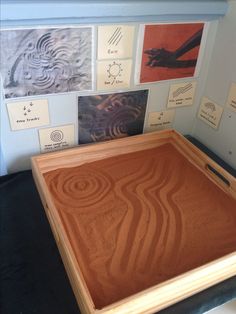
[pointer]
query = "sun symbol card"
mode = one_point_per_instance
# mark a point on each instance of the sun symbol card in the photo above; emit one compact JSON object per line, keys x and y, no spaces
{"x":113,"y":74}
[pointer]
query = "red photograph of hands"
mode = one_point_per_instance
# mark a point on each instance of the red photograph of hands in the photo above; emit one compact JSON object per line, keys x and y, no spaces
{"x":170,"y":51}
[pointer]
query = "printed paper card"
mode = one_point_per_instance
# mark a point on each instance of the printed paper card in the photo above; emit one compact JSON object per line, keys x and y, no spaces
{"x":113,"y":74}
{"x":210,"y":112}
{"x":160,"y":120}
{"x":231,"y":102}
{"x":181,"y":94}
{"x":115,"y":41}
{"x":28,"y":114}
{"x":57,"y":138}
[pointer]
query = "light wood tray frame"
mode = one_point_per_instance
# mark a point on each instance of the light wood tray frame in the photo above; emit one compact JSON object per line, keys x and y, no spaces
{"x":161,"y":295}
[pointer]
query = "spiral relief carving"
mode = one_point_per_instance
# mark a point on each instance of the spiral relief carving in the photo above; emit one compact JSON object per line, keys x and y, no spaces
{"x":110,"y":116}
{"x":44,"y":61}
{"x":139,"y":219}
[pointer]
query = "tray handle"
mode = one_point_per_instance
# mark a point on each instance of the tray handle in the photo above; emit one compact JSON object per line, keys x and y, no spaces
{"x":218,"y":175}
{"x":213,"y":170}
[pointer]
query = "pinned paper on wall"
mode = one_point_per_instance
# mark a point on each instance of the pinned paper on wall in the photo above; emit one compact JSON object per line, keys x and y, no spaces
{"x":181,"y":94}
{"x":231,"y":102}
{"x":28,"y":114}
{"x":115,"y":41}
{"x":110,"y":116}
{"x":113,"y":74}
{"x":169,"y":51}
{"x":46,"y":60}
{"x":57,"y":138}
{"x":210,"y":112}
{"x":160,"y":120}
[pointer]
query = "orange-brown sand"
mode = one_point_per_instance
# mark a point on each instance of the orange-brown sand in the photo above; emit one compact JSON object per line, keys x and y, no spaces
{"x":139,"y":219}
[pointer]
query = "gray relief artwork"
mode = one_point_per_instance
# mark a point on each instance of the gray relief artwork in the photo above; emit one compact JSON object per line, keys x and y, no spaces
{"x":45,"y":61}
{"x":110,"y":116}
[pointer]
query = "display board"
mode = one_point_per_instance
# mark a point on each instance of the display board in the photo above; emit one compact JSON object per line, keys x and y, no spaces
{"x":60,"y":62}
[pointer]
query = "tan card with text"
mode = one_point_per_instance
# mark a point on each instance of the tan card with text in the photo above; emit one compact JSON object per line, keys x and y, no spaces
{"x":231,"y":102}
{"x":160,"y":120}
{"x":210,"y":112}
{"x":113,"y":74}
{"x":28,"y":114}
{"x":181,"y":94}
{"x":115,"y":41}
{"x":57,"y":138}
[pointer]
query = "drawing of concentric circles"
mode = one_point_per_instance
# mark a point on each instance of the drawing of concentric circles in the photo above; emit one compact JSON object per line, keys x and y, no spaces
{"x":56,"y":136}
{"x":85,"y":188}
{"x":119,"y":121}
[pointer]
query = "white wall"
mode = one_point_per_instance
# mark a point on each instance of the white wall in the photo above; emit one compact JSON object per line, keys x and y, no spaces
{"x":222,"y":72}
{"x":18,"y":146}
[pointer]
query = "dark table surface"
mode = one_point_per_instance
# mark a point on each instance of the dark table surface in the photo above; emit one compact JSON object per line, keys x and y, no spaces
{"x":33,"y":278}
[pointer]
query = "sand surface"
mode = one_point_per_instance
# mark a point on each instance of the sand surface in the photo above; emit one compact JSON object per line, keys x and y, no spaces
{"x":139,"y":219}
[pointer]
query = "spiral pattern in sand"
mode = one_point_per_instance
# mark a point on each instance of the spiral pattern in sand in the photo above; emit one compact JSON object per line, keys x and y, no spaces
{"x":81,"y":189}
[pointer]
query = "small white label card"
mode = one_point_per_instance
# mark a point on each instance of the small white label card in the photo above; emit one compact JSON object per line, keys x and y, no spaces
{"x":231,"y":102}
{"x":181,"y":94}
{"x":115,"y":41}
{"x":160,"y":120}
{"x":56,"y":138}
{"x":28,"y":114}
{"x":210,"y":112}
{"x":113,"y":74}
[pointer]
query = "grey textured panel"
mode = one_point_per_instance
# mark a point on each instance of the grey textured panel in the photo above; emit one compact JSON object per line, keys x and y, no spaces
{"x":45,"y":61}
{"x":110,"y":116}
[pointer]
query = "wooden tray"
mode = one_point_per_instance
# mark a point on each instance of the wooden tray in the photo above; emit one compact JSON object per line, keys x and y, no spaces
{"x":181,"y":238}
